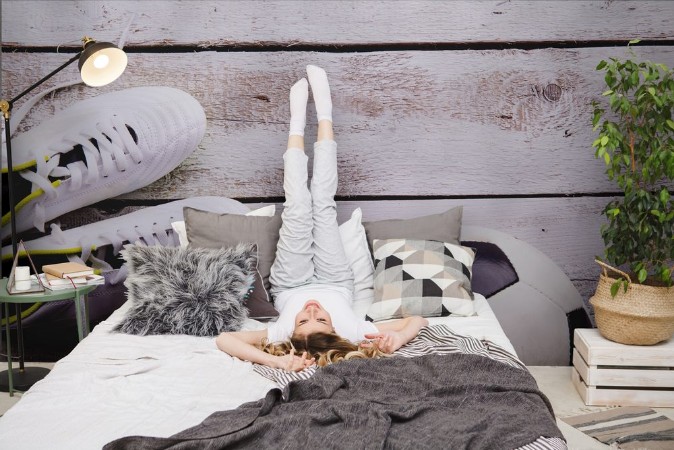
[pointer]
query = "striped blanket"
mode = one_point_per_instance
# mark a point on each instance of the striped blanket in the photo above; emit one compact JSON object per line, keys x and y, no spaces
{"x":435,"y":339}
{"x":456,"y":392}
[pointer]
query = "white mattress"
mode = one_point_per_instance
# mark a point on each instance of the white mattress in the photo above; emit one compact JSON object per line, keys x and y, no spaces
{"x":113,"y":385}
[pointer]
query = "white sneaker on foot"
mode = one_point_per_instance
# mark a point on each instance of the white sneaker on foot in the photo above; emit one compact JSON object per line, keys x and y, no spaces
{"x":100,"y":148}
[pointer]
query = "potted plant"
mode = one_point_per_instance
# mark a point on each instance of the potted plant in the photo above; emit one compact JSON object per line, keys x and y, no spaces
{"x":636,"y":141}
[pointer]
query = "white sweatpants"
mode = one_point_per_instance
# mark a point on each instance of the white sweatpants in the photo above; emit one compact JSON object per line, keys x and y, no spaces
{"x":310,"y":249}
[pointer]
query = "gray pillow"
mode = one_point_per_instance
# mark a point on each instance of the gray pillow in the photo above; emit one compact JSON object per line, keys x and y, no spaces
{"x":192,"y":291}
{"x":444,"y":227}
{"x":212,"y":230}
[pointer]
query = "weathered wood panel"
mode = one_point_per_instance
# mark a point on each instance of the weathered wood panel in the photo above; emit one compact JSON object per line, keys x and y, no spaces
{"x":288,"y":23}
{"x":441,"y":123}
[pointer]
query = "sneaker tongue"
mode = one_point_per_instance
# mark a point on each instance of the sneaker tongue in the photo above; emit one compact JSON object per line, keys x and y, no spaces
{"x":22,"y":188}
{"x":76,"y":154}
{"x":134,"y":136}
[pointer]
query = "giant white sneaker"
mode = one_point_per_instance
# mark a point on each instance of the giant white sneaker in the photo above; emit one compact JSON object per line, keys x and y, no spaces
{"x":100,"y":148}
{"x":98,"y":244}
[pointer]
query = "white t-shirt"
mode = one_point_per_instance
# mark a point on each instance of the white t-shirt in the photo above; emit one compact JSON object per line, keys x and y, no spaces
{"x":336,"y":300}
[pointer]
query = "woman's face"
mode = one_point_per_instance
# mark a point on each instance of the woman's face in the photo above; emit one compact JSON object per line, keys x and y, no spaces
{"x":313,"y":319}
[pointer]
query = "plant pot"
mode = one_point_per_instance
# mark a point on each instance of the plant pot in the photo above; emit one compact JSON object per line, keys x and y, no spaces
{"x":644,"y":315}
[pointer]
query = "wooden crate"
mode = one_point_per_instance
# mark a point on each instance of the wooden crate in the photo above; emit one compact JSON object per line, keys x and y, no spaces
{"x":609,"y":373}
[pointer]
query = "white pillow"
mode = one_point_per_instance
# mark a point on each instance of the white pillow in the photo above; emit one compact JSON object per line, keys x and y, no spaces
{"x":179,"y":227}
{"x":355,"y":245}
{"x":266,"y":211}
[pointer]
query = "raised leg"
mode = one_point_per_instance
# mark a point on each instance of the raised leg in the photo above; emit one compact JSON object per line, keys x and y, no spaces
{"x":330,"y":262}
{"x":294,"y":265}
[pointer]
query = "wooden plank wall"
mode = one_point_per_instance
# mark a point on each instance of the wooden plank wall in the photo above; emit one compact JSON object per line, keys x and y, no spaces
{"x":483,"y":104}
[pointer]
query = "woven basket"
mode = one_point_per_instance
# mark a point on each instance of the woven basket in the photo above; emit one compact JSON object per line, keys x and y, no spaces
{"x":644,"y":315}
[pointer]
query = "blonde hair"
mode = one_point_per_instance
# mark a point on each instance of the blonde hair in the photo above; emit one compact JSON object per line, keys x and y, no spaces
{"x":325,"y":348}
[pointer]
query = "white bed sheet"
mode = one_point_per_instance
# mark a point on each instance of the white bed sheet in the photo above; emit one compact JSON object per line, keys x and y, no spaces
{"x":113,"y":385}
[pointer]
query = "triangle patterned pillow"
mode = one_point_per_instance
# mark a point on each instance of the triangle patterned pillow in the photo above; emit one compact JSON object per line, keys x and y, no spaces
{"x":421,"y":278}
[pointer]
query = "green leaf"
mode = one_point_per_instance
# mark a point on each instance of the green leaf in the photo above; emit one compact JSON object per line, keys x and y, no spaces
{"x":634,"y":41}
{"x":614,"y":288}
{"x":607,"y":159}
{"x":664,"y":196}
{"x":604,"y":141}
{"x":605,"y":93}
{"x":642,"y":275}
{"x":651,"y":90}
{"x":601,"y":64}
{"x":670,"y":123}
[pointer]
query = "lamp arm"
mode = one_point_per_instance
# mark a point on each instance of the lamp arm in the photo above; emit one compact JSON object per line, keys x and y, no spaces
{"x":51,"y":74}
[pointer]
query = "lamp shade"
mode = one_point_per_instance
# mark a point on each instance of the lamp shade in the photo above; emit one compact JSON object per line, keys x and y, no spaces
{"x":101,"y":63}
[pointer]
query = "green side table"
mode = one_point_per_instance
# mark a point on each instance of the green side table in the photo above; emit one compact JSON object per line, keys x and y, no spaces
{"x":78,"y":295}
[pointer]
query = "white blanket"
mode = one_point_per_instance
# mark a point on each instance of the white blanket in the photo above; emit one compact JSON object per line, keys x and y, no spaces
{"x":113,"y":385}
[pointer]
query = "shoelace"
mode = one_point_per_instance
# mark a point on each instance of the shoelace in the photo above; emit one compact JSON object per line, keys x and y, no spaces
{"x":115,"y":149}
{"x":156,"y":234}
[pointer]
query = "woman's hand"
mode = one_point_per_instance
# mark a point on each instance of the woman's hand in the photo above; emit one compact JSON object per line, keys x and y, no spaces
{"x":387,"y":341}
{"x":396,"y":333}
{"x":294,"y":363}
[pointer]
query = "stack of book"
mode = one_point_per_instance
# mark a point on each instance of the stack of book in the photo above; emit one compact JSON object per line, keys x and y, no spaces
{"x":68,"y":275}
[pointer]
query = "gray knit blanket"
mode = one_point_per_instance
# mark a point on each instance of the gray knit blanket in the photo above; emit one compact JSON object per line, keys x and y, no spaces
{"x":434,"y":401}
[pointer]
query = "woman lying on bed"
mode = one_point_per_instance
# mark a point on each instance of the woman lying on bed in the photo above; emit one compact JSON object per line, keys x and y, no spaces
{"x":311,"y":280}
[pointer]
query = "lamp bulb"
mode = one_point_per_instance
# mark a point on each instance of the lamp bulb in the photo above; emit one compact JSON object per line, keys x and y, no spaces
{"x":101,"y":61}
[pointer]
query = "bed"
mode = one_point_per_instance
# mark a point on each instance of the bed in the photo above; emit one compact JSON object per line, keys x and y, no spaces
{"x":129,"y":391}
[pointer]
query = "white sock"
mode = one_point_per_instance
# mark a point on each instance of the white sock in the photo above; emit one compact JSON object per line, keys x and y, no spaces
{"x":321,"y":92}
{"x":299,"y":94}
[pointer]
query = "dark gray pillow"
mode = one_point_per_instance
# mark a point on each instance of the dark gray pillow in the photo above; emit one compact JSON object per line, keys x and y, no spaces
{"x":444,"y":227}
{"x":212,"y":230}
{"x":193,"y":291}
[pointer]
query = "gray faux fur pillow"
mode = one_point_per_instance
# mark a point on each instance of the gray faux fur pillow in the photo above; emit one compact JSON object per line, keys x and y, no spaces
{"x":193,"y":291}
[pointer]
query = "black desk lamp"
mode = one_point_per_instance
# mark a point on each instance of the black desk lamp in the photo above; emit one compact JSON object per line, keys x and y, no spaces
{"x":100,"y":63}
